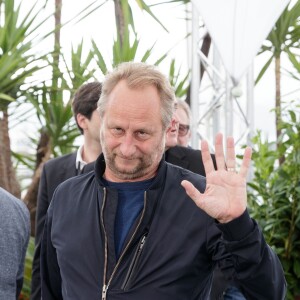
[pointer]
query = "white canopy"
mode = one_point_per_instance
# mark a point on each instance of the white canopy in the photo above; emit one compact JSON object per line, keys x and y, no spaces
{"x":238,"y":28}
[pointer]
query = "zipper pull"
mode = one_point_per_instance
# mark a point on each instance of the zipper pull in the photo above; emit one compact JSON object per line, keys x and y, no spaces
{"x":104,"y":291}
{"x":142,"y":243}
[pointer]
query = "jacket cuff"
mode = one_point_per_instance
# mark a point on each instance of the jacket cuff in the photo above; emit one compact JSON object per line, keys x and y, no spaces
{"x":238,"y":228}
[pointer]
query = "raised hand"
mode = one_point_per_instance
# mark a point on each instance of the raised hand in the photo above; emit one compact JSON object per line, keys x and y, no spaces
{"x":225,"y":196}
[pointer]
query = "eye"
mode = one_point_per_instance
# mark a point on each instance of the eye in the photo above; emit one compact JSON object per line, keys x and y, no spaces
{"x":117,"y":131}
{"x":142,"y":135}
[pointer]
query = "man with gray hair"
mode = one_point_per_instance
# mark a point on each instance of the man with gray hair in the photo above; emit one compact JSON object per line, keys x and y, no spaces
{"x":141,"y":228}
{"x":183,"y":114}
{"x":14,"y":237}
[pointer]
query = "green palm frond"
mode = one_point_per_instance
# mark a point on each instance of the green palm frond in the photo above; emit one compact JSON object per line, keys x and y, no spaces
{"x":284,"y":36}
{"x":180,"y":85}
{"x":80,"y":69}
{"x":17,"y":38}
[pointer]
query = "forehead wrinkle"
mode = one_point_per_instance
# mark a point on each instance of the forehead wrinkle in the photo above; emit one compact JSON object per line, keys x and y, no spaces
{"x":137,"y":118}
{"x":137,"y":106}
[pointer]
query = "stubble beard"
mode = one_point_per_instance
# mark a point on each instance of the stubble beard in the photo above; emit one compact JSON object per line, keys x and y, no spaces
{"x":146,"y":163}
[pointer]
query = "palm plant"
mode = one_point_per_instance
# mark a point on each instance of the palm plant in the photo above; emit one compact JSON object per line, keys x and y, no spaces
{"x":58,"y":129}
{"x":123,"y":49}
{"x":129,"y":52}
{"x":274,"y":198}
{"x":124,"y":17}
{"x":180,"y":86}
{"x":17,"y":63}
{"x":54,"y":113}
{"x":126,"y":48}
{"x":80,"y":69}
{"x":284,"y":38}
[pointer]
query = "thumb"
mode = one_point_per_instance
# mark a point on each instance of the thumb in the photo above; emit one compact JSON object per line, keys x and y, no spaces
{"x":192,"y":192}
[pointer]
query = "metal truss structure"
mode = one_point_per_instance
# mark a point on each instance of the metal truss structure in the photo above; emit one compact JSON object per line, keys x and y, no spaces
{"x":217,"y":104}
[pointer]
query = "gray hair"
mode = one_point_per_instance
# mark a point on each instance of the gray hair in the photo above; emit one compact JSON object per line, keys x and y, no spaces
{"x":186,"y":108}
{"x":139,"y":75}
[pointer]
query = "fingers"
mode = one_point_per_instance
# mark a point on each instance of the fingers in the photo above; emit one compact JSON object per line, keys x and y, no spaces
{"x":230,"y":157}
{"x":230,"y":162}
{"x":246,"y":162}
{"x":206,"y":158}
{"x":219,"y":152}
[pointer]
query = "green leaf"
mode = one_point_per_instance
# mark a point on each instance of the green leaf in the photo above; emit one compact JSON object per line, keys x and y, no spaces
{"x":6,"y":97}
{"x":296,"y":267}
{"x":264,"y":69}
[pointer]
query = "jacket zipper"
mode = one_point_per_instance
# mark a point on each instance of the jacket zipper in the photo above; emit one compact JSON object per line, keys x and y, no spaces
{"x":106,"y":286}
{"x":134,"y":262}
{"x":104,"y":290}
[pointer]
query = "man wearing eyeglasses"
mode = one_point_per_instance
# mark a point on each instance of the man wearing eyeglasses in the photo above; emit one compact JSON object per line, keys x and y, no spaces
{"x":182,"y":156}
{"x":184,"y":118}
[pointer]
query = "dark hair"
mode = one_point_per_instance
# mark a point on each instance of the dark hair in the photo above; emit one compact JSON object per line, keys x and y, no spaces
{"x":85,"y":100}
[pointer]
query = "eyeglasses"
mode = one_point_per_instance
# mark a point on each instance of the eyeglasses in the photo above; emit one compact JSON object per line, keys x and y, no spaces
{"x":183,"y":129}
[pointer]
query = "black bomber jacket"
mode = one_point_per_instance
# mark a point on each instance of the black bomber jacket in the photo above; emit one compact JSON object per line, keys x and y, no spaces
{"x":169,"y":253}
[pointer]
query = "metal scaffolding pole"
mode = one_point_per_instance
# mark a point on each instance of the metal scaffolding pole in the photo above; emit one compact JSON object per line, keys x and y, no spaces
{"x":217,"y":104}
{"x":195,"y":82}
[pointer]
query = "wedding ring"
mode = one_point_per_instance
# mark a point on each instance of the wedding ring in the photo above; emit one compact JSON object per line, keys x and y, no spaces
{"x":231,"y":170}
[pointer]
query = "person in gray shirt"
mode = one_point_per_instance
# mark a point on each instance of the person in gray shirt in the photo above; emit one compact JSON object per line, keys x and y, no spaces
{"x":14,"y":238}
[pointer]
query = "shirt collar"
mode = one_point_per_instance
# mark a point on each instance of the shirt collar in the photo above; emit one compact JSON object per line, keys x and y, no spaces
{"x":80,"y":163}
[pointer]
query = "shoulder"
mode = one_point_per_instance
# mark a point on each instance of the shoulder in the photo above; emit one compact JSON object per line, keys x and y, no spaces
{"x":61,"y":159}
{"x":190,"y":155}
{"x":185,"y":151}
{"x":13,"y":210}
{"x":73,"y":194}
{"x":75,"y":185}
{"x":177,"y":174}
{"x":187,"y":158}
{"x":10,"y":202}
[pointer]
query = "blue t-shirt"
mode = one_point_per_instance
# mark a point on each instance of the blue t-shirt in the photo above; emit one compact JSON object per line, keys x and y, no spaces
{"x":130,"y":204}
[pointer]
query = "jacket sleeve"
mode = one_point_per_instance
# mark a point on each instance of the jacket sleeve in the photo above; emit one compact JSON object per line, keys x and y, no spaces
{"x":50,"y":272}
{"x":243,"y":254}
{"x":42,"y":207}
{"x":23,"y":247}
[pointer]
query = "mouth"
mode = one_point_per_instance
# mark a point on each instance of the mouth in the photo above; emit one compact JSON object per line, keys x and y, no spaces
{"x":127,"y":158}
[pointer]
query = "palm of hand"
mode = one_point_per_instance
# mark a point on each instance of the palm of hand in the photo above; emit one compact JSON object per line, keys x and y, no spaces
{"x":225,"y":196}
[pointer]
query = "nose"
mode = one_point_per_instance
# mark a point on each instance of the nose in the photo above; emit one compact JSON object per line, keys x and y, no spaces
{"x":127,"y":146}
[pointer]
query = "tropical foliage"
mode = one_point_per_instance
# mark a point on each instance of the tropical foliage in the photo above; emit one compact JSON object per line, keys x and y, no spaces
{"x":18,"y":36}
{"x":275,"y":195}
{"x":284,"y":38}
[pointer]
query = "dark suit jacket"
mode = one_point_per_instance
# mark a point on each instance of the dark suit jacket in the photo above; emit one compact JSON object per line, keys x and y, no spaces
{"x":187,"y":158}
{"x":55,"y":171}
{"x":191,"y":159}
